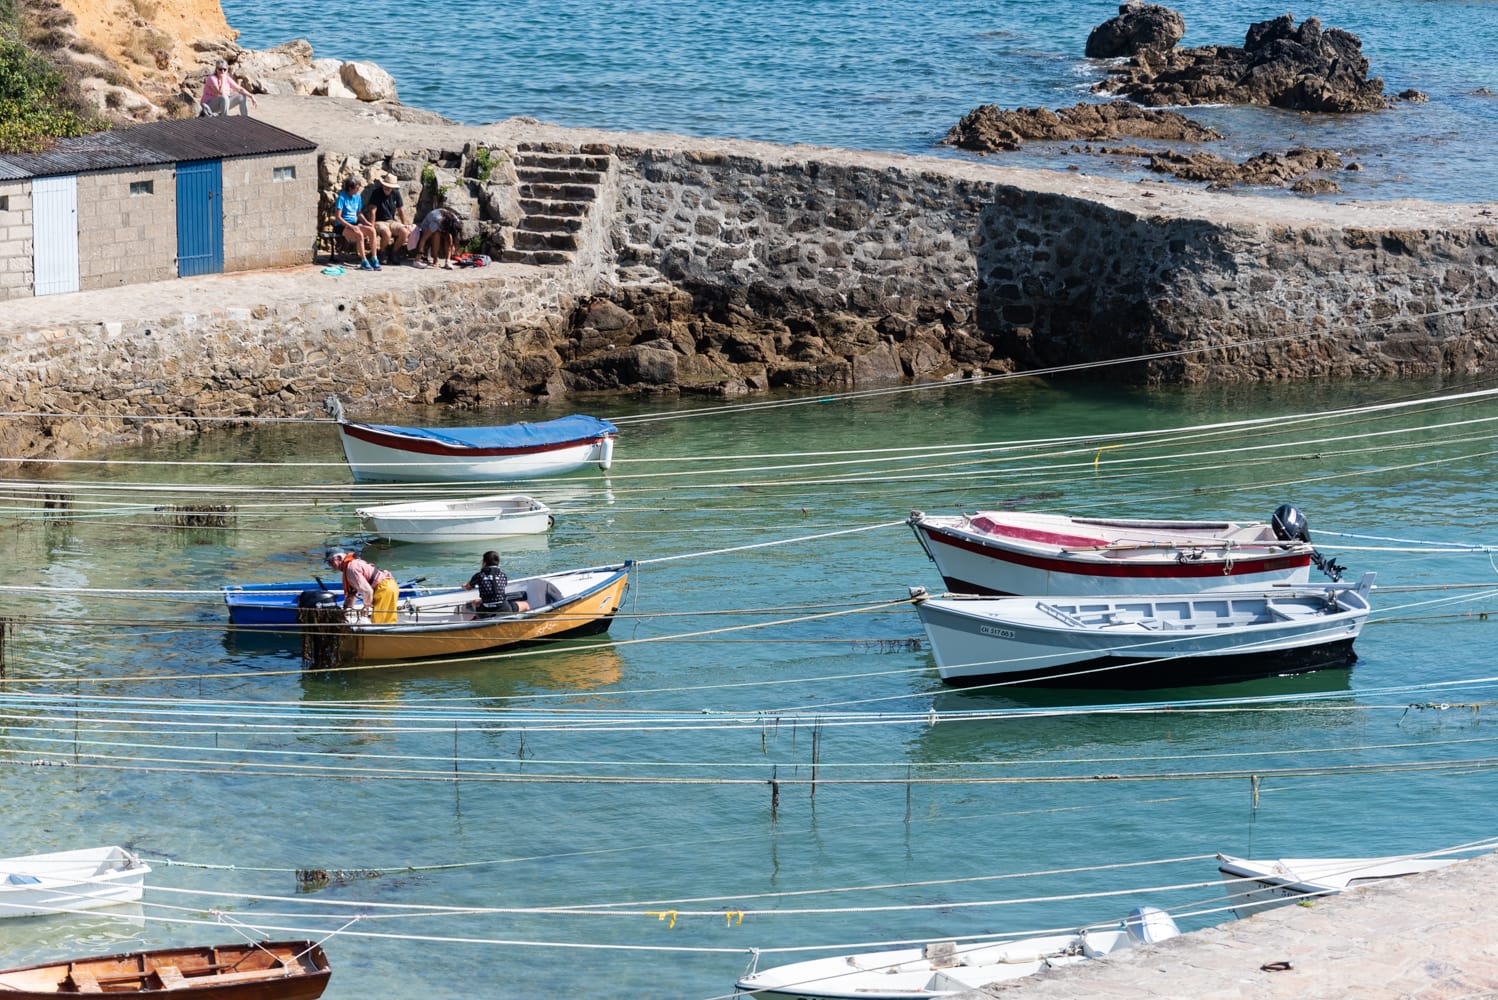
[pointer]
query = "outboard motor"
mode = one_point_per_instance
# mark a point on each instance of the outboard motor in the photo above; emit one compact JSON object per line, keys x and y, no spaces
{"x":1148,"y":924}
{"x":316,"y":599}
{"x":1290,"y":524}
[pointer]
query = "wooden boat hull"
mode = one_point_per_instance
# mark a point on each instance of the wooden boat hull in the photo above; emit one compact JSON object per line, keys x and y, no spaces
{"x":1145,"y":641}
{"x":1012,"y":553}
{"x":69,"y":881}
{"x":378,"y":454}
{"x":274,"y":970}
{"x":1254,"y":886}
{"x":579,"y":603}
{"x":470,"y":520}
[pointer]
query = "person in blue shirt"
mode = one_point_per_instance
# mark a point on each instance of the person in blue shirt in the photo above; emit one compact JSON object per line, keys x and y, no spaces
{"x":358,"y":234}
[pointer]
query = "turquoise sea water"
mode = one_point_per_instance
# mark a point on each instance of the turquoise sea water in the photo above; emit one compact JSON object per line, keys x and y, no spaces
{"x":895,"y":75}
{"x":601,"y":821}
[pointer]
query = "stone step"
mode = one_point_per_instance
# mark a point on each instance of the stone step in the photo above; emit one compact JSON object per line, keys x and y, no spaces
{"x":560,"y":176}
{"x":528,"y":239}
{"x":535,"y":257}
{"x":561,"y":161}
{"x":536,"y":206}
{"x":558,"y":192}
{"x":553,"y":223}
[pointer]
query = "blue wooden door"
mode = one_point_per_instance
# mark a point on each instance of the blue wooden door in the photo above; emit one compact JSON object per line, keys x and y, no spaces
{"x":200,"y":218}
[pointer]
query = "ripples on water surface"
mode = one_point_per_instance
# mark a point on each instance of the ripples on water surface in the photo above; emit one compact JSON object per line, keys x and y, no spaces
{"x":895,"y":75}
{"x":233,"y":757}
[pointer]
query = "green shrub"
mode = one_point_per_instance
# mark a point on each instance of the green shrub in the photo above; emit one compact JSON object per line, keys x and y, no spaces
{"x":38,"y":103}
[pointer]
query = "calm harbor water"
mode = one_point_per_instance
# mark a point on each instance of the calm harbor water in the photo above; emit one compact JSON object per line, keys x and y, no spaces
{"x":600,"y":820}
{"x":895,"y":75}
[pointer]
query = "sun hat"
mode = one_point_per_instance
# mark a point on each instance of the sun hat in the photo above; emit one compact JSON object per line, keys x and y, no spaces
{"x":389,"y":180}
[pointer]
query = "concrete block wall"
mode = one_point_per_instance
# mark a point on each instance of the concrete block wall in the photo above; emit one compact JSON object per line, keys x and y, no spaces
{"x":270,"y":210}
{"x":126,"y":238}
{"x":17,"y":277}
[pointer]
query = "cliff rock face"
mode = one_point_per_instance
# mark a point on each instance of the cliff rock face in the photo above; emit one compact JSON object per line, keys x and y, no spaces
{"x":136,"y":57}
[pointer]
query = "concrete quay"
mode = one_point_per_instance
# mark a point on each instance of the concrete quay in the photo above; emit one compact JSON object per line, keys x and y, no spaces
{"x":1432,"y":936}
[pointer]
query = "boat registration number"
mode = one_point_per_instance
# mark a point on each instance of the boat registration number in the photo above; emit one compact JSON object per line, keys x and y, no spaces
{"x":996,"y":632}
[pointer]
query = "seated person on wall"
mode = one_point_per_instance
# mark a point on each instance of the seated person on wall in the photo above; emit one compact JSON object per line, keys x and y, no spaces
{"x":348,"y":210}
{"x":221,"y":92}
{"x":439,"y":235}
{"x":385,"y":209}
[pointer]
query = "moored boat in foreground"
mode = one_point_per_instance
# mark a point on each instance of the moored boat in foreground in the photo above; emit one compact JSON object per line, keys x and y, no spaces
{"x":270,"y":970}
{"x":570,"y":603}
{"x":1253,"y":885}
{"x":945,"y":968}
{"x":1016,"y":552}
{"x":1144,"y":640}
{"x":461,"y":520}
{"x":65,"y":881}
{"x":388,"y":453}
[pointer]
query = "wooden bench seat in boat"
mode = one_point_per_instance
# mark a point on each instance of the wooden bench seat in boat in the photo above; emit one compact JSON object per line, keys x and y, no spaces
{"x":84,"y":982}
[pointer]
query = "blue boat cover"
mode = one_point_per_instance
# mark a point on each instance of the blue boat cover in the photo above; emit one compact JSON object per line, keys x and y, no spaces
{"x":547,"y":432}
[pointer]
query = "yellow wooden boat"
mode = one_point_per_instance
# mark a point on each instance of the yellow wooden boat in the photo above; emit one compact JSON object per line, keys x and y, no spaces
{"x":572,"y":603}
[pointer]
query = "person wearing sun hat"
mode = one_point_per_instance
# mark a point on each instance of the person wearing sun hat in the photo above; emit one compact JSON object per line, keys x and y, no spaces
{"x":221,"y":92}
{"x":363,"y":581}
{"x":385,"y":209}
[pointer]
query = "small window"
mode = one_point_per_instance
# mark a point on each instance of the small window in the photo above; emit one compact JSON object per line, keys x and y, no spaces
{"x":283,"y":174}
{"x":141,"y":187}
{"x":4,"y":203}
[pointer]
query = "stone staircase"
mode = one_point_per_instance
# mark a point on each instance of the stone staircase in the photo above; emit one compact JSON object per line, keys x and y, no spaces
{"x":558,"y":189}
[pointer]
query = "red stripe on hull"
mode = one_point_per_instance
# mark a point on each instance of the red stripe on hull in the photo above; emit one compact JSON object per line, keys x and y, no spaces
{"x":1133,"y":569}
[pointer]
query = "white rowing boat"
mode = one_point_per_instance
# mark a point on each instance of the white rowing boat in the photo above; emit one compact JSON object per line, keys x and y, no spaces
{"x":472,"y":520}
{"x":65,"y":881}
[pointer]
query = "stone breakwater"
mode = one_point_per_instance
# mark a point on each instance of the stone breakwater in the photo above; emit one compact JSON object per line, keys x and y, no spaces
{"x":725,"y":267}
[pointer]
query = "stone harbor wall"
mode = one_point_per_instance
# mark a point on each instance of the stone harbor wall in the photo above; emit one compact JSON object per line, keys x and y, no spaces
{"x":720,"y":267}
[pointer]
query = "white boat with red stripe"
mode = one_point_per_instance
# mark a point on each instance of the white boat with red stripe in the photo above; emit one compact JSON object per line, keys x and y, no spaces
{"x":1021,"y":553}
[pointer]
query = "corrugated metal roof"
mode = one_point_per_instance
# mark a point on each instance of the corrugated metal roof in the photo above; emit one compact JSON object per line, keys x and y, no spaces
{"x":180,"y":141}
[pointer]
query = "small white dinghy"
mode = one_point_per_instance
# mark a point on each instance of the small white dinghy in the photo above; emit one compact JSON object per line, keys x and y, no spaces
{"x":1144,"y":641}
{"x":1253,"y":886}
{"x":65,"y":881}
{"x":470,"y":520}
{"x":946,"y":968}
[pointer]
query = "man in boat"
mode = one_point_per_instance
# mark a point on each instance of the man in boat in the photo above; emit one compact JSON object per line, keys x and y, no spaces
{"x":491,"y":583}
{"x":365,"y":581}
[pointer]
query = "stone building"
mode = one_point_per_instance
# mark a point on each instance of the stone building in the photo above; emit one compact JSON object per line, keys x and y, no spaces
{"x":151,"y":202}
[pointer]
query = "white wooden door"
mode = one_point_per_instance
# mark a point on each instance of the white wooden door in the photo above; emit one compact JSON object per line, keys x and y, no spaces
{"x":54,"y":234}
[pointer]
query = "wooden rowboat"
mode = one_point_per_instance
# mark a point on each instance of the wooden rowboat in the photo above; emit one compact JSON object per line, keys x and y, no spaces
{"x":573,"y":603}
{"x":66,"y":881}
{"x":272,"y":970}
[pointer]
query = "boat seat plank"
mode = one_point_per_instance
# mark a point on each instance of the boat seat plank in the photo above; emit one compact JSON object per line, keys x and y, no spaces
{"x":84,"y":982}
{"x":171,"y":977}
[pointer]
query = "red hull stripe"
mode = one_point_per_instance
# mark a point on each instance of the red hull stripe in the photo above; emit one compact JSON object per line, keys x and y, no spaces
{"x":419,"y":447}
{"x":1135,"y":569}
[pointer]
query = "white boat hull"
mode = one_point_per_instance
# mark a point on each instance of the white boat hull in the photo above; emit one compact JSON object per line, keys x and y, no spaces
{"x":1145,"y":640}
{"x":472,"y":520}
{"x":1254,"y":886}
{"x":68,"y":881}
{"x":1040,"y":554}
{"x":948,"y":968}
{"x":372,"y":462}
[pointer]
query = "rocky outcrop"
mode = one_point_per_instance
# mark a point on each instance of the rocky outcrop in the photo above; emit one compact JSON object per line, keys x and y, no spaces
{"x":1296,"y":169}
{"x":1305,"y":68}
{"x":988,"y":128}
{"x":1137,"y":27}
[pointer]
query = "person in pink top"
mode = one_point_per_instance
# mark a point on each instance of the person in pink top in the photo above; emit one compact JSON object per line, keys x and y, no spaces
{"x":366,"y":582}
{"x":221,"y":92}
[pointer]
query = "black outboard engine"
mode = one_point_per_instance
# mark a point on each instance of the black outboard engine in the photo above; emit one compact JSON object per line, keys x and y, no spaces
{"x":1290,"y":524}
{"x":316,"y":599}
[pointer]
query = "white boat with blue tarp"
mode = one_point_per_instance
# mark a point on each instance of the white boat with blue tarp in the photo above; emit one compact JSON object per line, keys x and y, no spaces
{"x":389,"y":453}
